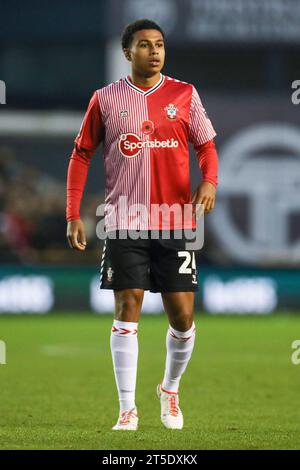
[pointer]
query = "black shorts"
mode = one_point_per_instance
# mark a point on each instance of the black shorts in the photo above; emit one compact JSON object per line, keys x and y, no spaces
{"x":158,"y":265}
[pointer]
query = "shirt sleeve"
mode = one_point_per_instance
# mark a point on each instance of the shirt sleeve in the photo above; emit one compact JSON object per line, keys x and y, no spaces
{"x":201,"y":134}
{"x":208,"y":162}
{"x":91,"y":132}
{"x":90,"y":135}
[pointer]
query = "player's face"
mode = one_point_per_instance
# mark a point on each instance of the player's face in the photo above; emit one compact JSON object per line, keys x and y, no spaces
{"x":147,"y":52}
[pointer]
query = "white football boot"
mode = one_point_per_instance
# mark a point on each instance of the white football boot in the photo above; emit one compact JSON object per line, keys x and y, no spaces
{"x":171,"y":415}
{"x":128,"y":421}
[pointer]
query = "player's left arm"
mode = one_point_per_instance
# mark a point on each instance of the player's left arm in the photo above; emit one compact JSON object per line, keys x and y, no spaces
{"x":201,"y":134}
{"x":205,"y":193}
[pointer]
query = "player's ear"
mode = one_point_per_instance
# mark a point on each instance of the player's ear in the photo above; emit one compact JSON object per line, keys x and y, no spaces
{"x":127,"y":54}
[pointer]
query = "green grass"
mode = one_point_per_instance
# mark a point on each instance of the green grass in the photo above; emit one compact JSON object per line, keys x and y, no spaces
{"x":240,"y":390}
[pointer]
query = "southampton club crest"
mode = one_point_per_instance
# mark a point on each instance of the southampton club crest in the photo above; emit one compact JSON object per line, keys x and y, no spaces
{"x":110,"y":273}
{"x":171,"y":111}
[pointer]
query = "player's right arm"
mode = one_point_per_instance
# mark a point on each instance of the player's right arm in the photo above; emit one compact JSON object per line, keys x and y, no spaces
{"x":90,"y":135}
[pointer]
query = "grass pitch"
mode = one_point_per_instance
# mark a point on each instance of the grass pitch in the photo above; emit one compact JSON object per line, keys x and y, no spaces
{"x":240,"y":390}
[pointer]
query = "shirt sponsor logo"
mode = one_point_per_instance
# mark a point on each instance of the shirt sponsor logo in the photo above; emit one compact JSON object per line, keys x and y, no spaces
{"x":130,"y":145}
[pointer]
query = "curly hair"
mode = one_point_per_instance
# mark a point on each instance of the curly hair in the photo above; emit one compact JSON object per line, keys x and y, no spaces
{"x":132,"y":28}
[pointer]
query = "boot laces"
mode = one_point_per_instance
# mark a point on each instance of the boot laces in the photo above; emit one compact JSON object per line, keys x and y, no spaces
{"x":173,"y":406}
{"x":126,"y":415}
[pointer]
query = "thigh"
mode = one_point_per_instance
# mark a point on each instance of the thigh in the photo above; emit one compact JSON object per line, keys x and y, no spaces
{"x":172,"y":266}
{"x":125,"y":264}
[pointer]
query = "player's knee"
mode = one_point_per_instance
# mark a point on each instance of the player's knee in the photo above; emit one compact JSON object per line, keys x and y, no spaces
{"x":128,"y":306}
{"x":183,"y":320}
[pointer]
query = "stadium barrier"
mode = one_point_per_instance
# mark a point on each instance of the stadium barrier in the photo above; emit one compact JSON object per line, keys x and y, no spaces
{"x":40,"y":290}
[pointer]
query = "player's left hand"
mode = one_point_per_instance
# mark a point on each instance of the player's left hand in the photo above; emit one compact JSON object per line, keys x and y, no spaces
{"x":205,"y":194}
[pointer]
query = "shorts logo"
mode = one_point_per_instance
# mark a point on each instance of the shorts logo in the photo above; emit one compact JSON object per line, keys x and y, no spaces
{"x":171,"y":111}
{"x":147,"y":127}
{"x":110,"y":273}
{"x":130,"y":145}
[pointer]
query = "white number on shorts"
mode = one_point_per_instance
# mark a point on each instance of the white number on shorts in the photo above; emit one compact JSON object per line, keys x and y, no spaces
{"x":184,"y":269}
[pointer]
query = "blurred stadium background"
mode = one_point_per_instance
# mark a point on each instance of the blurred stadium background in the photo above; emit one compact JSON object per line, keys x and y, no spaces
{"x":57,"y":389}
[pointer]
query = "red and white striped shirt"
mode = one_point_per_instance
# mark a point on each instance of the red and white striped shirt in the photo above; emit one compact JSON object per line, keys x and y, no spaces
{"x":145,"y":134}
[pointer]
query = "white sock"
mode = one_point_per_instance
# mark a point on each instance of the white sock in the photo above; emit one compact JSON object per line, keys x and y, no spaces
{"x":180,"y":346}
{"x":124,"y":350}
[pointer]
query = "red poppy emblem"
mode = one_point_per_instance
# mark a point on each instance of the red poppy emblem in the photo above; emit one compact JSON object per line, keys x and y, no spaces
{"x":147,"y":127}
